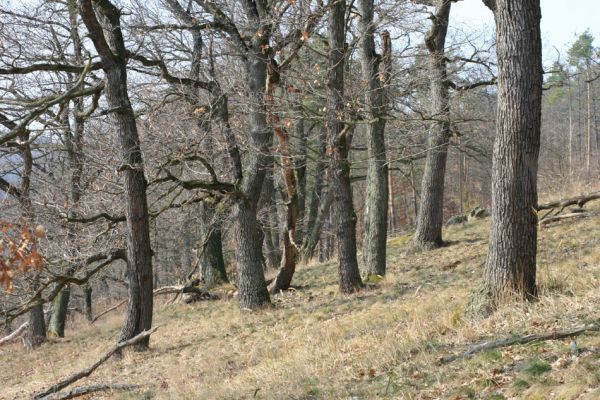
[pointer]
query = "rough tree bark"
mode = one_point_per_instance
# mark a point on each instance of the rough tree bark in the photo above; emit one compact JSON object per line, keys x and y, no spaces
{"x":337,"y":138}
{"x":108,"y":41}
{"x":377,"y":78}
{"x":430,"y":217}
{"x":511,"y":263}
{"x":251,"y":280}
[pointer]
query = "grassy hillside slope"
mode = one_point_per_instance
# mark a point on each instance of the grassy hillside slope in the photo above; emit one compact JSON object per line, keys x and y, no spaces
{"x":381,"y":343}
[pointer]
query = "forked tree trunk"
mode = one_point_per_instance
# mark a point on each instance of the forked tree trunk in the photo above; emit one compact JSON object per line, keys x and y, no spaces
{"x":430,"y":217}
{"x":377,"y":78}
{"x":139,"y":254}
{"x":345,"y":218}
{"x":511,"y":262}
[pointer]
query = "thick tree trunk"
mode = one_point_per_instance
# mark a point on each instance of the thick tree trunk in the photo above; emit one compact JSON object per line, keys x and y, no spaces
{"x":511,"y":263}
{"x":430,"y":217}
{"x":139,"y":253}
{"x":349,"y":275}
{"x":36,"y":330}
{"x":376,"y":202}
{"x":251,"y":280}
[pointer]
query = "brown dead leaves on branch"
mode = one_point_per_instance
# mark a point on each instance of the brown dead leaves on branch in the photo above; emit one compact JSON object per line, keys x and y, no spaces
{"x":19,"y":250}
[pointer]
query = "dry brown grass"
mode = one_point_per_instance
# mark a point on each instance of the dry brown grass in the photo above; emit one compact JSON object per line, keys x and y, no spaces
{"x":381,"y":343}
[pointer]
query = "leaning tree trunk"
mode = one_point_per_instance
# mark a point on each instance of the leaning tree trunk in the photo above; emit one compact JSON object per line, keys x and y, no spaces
{"x":139,"y":253}
{"x":289,"y":253}
{"x":340,"y":185}
{"x":430,"y":216}
{"x":376,"y":202}
{"x":511,"y":262}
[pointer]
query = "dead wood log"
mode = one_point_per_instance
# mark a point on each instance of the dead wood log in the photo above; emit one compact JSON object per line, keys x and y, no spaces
{"x":494,"y":344}
{"x":88,"y":371}
{"x":580,"y":201}
{"x":548,"y":220}
{"x":85,"y":390}
{"x":15,"y":335}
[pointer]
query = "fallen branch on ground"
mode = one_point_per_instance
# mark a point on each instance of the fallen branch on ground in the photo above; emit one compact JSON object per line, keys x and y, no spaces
{"x":580,"y":201}
{"x":518,"y":340}
{"x":88,"y":371}
{"x":564,"y":216}
{"x":85,"y":390}
{"x":189,"y":287}
{"x":15,"y":335}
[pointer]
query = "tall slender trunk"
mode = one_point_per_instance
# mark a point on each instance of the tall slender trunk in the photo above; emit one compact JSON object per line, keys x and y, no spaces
{"x":588,"y":155}
{"x":139,"y":253}
{"x":570,"y":132}
{"x":393,"y":223}
{"x":316,"y":208}
{"x":511,"y":262}
{"x":377,"y":78}
{"x":289,"y":253}
{"x":349,"y":275}
{"x":300,"y":166}
{"x":74,"y":147}
{"x":430,"y":217}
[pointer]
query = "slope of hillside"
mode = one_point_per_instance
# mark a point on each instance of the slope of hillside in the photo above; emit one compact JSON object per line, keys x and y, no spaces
{"x":384,"y":342}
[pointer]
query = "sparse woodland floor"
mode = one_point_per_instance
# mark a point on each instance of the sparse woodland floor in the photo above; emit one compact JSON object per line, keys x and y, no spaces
{"x":381,"y":343}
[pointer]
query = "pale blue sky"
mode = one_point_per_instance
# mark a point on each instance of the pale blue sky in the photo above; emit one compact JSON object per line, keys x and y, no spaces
{"x":561,"y":21}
